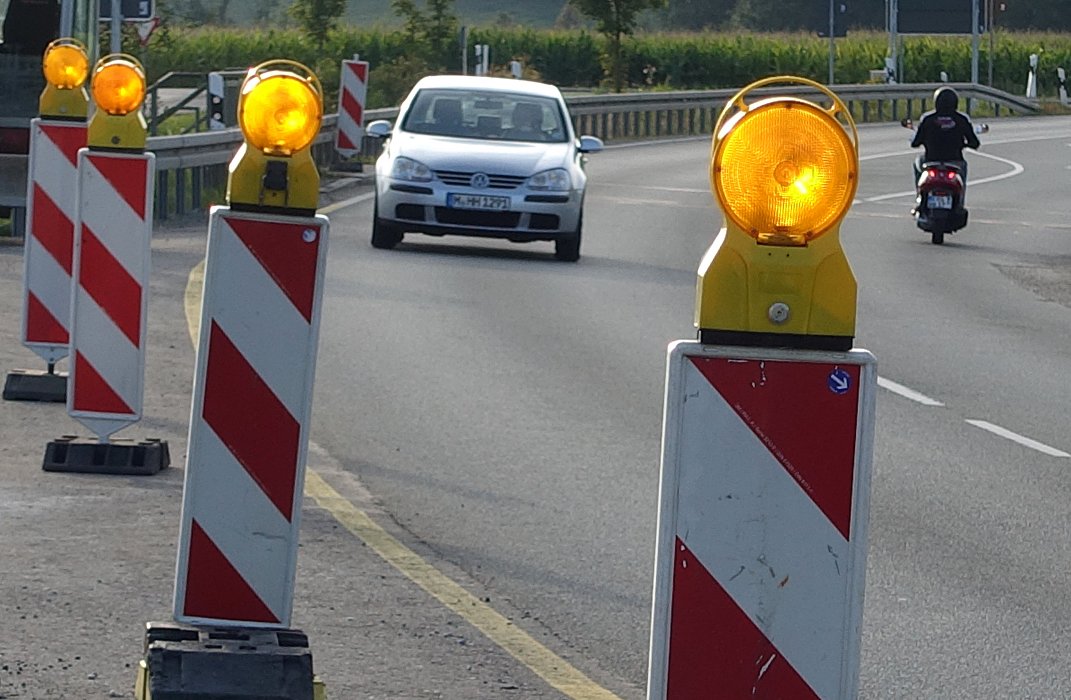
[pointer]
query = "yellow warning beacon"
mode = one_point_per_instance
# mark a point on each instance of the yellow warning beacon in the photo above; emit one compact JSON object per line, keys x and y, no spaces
{"x":280,"y":108}
{"x":784,"y":170}
{"x":118,"y":90}
{"x":66,"y":68}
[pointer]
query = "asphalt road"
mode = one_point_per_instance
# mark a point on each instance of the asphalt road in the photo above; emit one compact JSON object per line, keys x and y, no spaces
{"x":499,"y":412}
{"x":505,"y":408}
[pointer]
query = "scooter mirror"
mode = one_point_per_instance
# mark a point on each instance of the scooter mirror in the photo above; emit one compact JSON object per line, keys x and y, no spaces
{"x":906,"y":123}
{"x":981,"y":129}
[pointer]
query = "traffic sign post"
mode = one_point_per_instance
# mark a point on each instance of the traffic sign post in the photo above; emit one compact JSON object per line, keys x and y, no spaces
{"x":110,"y":273}
{"x":55,"y":138}
{"x":252,"y":400}
{"x":768,"y":429}
{"x":351,"y":107}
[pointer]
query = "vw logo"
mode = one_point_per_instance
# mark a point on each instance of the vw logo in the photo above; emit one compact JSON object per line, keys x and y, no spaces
{"x":479,"y":181}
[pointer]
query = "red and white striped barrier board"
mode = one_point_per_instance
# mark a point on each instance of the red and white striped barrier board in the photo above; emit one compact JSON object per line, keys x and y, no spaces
{"x":763,"y":514}
{"x":111,"y":296}
{"x":351,"y":107}
{"x":49,"y":249}
{"x":245,"y":469}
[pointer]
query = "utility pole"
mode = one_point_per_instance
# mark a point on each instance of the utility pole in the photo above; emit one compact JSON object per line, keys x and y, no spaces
{"x":832,"y":42}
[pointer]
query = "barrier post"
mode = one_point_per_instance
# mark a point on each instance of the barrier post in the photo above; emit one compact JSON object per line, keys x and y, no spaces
{"x":110,"y":275}
{"x":252,"y":399}
{"x":351,"y":100}
{"x":55,"y":137}
{"x":768,"y":427}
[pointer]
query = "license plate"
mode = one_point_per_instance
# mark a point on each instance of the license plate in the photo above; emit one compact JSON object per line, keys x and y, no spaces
{"x":939,"y":201}
{"x":477,"y":201}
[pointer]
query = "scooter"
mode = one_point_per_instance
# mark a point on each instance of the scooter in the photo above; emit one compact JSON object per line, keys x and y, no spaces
{"x":939,"y":195}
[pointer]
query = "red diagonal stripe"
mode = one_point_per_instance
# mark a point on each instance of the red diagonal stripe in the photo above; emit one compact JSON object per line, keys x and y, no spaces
{"x":284,"y":253}
{"x":127,"y":176}
{"x":215,"y":589}
{"x":715,"y":650}
{"x":360,"y":69}
{"x":352,"y":107}
{"x":251,"y":421}
{"x":92,"y":392}
{"x":109,"y":284}
{"x":68,"y":139}
{"x":807,"y":427}
{"x":344,"y":141}
{"x":52,"y":228}
{"x":41,"y":325}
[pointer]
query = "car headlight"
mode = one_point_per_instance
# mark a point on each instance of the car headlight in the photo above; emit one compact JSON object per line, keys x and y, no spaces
{"x":557,"y":179}
{"x":409,"y":169}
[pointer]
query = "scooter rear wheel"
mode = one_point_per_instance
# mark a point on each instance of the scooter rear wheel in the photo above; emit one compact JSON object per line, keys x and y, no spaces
{"x":937,"y":237}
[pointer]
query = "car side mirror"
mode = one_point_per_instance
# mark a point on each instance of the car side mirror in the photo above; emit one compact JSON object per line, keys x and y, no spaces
{"x":590,"y":144}
{"x":379,"y":129}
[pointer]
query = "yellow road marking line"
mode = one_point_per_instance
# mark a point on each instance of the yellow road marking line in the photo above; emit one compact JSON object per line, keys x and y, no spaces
{"x":553,"y":669}
{"x":496,"y":627}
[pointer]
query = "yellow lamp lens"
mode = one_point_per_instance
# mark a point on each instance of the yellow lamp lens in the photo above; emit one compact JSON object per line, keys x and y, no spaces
{"x":118,"y":87}
{"x":66,"y":66}
{"x":279,"y":112}
{"x":784,"y":171}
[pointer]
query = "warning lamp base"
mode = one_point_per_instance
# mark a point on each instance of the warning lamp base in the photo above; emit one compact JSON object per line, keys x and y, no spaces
{"x":184,"y":662}
{"x":119,"y":456}
{"x":794,"y":341}
{"x":277,"y":211}
{"x":35,"y":385}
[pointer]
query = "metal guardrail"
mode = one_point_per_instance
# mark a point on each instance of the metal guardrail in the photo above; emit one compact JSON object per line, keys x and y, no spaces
{"x":189,"y":165}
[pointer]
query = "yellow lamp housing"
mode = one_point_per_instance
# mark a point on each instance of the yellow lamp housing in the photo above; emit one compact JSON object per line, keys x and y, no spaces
{"x":66,"y":68}
{"x":280,"y":109}
{"x":784,"y":171}
{"x":118,"y":90}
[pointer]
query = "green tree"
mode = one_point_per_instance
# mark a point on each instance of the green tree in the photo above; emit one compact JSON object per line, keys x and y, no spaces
{"x":699,"y":14}
{"x":317,"y":18}
{"x":432,"y":31}
{"x":616,"y":19}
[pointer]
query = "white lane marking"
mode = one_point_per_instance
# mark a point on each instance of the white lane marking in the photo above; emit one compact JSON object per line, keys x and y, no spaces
{"x":907,"y":393}
{"x":1017,"y":168}
{"x":346,"y":203}
{"x":1016,"y":437}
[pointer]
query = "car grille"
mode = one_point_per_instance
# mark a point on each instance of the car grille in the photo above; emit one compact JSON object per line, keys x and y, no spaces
{"x":497,"y":182}
{"x":465,"y":217}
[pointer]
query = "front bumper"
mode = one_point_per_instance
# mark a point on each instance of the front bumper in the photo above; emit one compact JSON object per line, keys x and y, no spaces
{"x":532,"y":216}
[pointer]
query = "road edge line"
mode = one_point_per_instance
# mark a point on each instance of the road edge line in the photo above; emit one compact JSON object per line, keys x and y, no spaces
{"x":556,"y":671}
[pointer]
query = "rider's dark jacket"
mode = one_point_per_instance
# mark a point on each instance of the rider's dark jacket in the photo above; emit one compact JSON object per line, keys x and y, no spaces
{"x":945,"y":134}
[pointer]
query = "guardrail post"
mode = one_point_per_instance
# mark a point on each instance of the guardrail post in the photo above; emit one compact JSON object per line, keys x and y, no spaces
{"x":866,"y":110}
{"x":162,"y":181}
{"x":195,"y":187}
{"x":180,"y":192}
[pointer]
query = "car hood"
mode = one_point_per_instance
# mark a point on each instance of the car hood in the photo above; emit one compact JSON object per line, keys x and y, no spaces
{"x":479,"y":155}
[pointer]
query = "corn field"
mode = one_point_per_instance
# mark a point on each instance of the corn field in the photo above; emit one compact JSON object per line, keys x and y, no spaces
{"x":655,"y":61}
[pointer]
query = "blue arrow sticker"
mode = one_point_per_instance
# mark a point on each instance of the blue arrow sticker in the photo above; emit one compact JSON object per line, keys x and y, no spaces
{"x":839,"y":381}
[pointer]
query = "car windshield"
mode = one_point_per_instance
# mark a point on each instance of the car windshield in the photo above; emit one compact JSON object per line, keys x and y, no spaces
{"x":499,"y":116}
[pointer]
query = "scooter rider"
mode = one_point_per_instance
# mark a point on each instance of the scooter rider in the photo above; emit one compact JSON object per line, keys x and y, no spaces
{"x":944,"y":132}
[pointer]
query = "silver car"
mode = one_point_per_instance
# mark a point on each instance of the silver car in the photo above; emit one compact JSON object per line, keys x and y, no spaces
{"x":477,"y":156}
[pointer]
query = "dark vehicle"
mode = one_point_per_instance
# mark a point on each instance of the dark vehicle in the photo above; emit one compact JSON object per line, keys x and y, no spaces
{"x":939,"y":200}
{"x":28,"y":27}
{"x":940,"y":192}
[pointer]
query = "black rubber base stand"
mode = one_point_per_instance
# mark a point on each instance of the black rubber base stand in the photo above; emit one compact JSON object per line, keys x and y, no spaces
{"x":35,"y":385}
{"x":119,"y":456}
{"x":183,"y":662}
